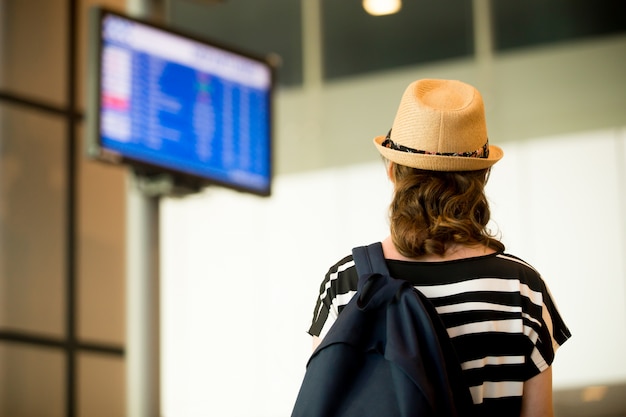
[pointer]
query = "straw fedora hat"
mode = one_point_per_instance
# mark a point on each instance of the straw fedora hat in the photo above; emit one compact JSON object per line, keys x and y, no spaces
{"x":440,"y":126}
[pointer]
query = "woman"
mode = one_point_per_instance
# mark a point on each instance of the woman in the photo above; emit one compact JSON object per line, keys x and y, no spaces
{"x":499,"y":313}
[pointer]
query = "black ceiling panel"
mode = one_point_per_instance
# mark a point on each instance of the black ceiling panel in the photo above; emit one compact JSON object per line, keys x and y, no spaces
{"x":259,"y":26}
{"x":355,"y":42}
{"x":535,"y":22}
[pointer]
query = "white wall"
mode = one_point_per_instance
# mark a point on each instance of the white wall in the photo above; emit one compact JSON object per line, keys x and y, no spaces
{"x":241,"y":274}
{"x":240,"y":279}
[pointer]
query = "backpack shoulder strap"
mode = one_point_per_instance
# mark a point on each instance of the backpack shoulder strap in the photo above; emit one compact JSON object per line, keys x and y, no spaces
{"x":369,"y":260}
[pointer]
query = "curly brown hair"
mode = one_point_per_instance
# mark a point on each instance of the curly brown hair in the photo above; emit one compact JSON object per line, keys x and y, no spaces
{"x":432,"y":210}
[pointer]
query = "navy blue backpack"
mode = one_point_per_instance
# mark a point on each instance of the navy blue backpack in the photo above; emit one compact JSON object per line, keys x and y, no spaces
{"x":387,"y":355}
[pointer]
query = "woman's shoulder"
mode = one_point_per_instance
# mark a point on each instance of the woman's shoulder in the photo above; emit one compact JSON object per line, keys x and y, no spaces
{"x":342,"y":275}
{"x":518,"y":268}
{"x":343,"y":264}
{"x":516,"y":262}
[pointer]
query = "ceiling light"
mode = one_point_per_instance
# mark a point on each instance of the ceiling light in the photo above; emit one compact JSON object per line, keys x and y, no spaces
{"x":382,"y":7}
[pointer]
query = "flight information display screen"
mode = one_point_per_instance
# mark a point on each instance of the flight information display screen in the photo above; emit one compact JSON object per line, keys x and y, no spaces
{"x":169,"y":102}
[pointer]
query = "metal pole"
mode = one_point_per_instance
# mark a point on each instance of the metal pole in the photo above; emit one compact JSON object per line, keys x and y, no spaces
{"x":142,"y":301}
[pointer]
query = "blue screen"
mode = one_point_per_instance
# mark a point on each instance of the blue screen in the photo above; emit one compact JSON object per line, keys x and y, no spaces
{"x":187,"y":106}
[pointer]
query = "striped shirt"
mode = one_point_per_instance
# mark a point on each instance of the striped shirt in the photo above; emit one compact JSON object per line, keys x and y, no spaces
{"x":497,"y":309}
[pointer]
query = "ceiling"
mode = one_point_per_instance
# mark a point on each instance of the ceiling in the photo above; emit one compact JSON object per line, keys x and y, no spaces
{"x":354,"y":42}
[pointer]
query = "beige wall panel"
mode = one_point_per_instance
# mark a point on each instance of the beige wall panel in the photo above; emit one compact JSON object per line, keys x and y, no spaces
{"x":32,"y":382}
{"x":35,"y":49}
{"x":101,"y":386}
{"x":101,"y":261}
{"x":32,"y":222}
